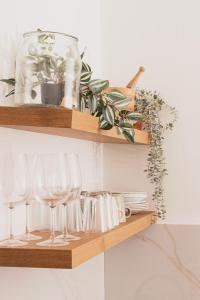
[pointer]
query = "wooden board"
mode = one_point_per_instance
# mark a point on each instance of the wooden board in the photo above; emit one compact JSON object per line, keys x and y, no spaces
{"x":77,"y":252}
{"x":62,"y":122}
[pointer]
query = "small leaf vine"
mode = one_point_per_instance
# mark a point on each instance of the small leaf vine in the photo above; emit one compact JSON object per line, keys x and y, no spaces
{"x":150,"y":105}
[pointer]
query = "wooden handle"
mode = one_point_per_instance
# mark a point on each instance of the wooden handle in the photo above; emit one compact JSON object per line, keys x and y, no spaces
{"x":132,"y":83}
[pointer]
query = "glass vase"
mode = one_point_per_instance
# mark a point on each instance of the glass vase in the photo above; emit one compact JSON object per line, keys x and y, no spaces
{"x":48,"y":70}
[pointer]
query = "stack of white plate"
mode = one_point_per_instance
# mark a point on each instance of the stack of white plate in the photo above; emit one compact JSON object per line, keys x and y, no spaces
{"x":136,"y":201}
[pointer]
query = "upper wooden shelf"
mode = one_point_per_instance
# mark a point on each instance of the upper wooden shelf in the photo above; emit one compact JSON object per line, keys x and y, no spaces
{"x":77,"y":252}
{"x":63,"y":122}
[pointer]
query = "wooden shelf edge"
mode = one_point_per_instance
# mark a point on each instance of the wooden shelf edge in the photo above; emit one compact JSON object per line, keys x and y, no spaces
{"x":63,"y":122}
{"x":77,"y":252}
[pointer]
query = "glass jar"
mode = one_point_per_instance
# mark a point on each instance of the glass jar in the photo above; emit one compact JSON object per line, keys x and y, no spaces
{"x":48,"y":70}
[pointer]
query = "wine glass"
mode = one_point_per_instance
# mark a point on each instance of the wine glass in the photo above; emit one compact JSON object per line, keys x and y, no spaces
{"x":28,"y":236}
{"x":73,"y":168}
{"x":51,"y":188}
{"x":15,"y":188}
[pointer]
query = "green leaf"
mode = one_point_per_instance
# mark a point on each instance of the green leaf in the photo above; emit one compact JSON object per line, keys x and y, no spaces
{"x":125,"y":125}
{"x":121,"y":104}
{"x":104,"y":124}
{"x":85,"y":67}
{"x":108,"y":115}
{"x":10,"y":81}
{"x":81,"y":104}
{"x":10,"y":93}
{"x":93,"y":103}
{"x":118,"y":99}
{"x":97,"y":85}
{"x":129,"y":136}
{"x":85,"y":77}
{"x":115,"y":95}
{"x":134,"y":116}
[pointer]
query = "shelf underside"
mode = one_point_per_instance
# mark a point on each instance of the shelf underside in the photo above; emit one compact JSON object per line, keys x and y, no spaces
{"x":63,"y":122}
{"x":77,"y":252}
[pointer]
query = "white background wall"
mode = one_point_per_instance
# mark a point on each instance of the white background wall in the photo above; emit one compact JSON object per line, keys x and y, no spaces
{"x":87,"y":281}
{"x":163,"y":36}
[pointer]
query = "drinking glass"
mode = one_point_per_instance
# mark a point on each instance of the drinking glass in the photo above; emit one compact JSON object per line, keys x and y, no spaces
{"x":51,"y":188}
{"x":28,"y":236}
{"x":15,"y":188}
{"x":72,"y":168}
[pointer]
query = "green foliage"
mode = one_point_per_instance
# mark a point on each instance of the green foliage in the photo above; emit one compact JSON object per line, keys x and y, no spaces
{"x":11,"y":82}
{"x":109,"y":107}
{"x":150,"y":105}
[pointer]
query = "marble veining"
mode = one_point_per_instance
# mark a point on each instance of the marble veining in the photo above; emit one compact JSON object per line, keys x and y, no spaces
{"x":162,"y":262}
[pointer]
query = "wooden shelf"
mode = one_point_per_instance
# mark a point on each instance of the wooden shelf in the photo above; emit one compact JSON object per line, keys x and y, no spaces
{"x":77,"y":252}
{"x":62,"y":122}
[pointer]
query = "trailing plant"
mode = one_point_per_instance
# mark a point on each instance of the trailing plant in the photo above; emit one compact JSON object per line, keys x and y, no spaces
{"x":151,"y":105}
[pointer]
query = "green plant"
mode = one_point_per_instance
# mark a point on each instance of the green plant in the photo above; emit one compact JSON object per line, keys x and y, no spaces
{"x":151,"y":105}
{"x":109,"y":107}
{"x":46,"y":64}
{"x":43,"y":61}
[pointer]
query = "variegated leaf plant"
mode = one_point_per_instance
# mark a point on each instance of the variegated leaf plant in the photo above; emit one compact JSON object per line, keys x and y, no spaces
{"x":109,"y":107}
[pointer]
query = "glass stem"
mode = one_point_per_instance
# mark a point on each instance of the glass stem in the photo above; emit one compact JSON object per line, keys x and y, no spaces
{"x":27,"y":218}
{"x":65,"y":232}
{"x":52,"y":236}
{"x":11,"y":212}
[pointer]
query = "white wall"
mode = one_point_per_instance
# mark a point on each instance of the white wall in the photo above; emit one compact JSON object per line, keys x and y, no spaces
{"x":163,"y":36}
{"x":86,"y":281}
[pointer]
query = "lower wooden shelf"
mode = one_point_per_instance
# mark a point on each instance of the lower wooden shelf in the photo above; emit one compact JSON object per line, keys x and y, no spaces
{"x":77,"y":252}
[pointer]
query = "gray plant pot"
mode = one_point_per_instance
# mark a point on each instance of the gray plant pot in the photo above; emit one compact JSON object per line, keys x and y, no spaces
{"x":52,"y":93}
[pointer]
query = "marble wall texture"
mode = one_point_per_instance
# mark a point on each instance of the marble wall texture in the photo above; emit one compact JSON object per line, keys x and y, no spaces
{"x":160,"y":263}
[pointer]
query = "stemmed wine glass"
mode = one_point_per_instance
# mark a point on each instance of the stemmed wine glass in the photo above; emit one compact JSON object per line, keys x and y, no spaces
{"x":15,"y":185}
{"x":51,"y":187}
{"x":72,"y":168}
{"x":28,"y":236}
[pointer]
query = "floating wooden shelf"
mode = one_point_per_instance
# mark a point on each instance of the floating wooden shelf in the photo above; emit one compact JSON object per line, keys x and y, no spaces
{"x":77,"y":252}
{"x":63,"y":122}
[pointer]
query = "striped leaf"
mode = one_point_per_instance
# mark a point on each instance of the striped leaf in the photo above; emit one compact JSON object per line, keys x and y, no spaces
{"x":118,"y":99}
{"x":129,"y":136}
{"x":97,"y":85}
{"x":81,"y":104}
{"x":93,"y":103}
{"x":125,"y":125}
{"x":10,"y":81}
{"x":121,"y":104}
{"x":103,"y":124}
{"x":85,"y":67}
{"x":134,"y":116}
{"x":108,"y":115}
{"x":115,"y":95}
{"x":85,"y":77}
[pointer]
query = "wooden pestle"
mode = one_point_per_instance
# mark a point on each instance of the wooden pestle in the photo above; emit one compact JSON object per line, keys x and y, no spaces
{"x":132,"y":83}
